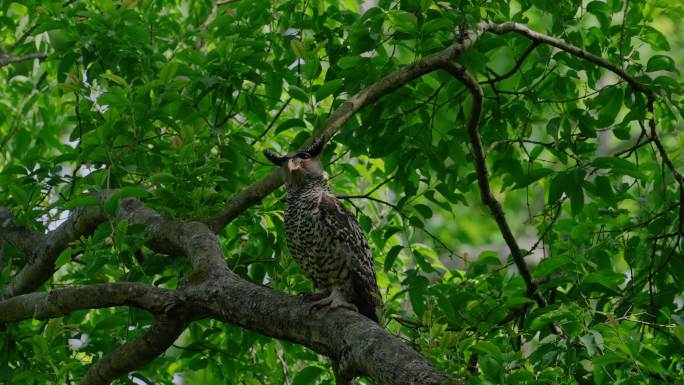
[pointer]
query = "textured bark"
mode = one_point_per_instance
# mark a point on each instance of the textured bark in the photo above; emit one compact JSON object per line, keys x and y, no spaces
{"x":57,"y":303}
{"x":356,"y":345}
{"x":43,"y":255}
{"x":23,"y":238}
{"x":136,"y":353}
{"x":359,"y":344}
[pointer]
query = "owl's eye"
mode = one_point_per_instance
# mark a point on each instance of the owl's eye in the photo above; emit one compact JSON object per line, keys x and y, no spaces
{"x":303,"y":155}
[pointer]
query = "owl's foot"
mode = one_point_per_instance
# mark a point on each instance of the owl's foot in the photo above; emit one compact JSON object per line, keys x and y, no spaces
{"x":332,"y":301}
{"x":309,"y":297}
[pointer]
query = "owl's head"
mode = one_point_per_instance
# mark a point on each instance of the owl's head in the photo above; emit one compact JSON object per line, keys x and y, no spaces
{"x":300,"y":168}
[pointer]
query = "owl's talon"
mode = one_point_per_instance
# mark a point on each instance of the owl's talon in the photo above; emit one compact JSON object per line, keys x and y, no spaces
{"x":333,"y":301}
{"x":309,"y":297}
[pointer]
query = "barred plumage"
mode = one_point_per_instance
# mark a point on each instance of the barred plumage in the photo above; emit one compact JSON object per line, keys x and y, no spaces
{"x":325,"y":238}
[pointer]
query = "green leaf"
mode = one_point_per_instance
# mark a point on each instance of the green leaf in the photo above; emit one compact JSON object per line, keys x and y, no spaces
{"x":116,"y":79}
{"x":489,"y":348}
{"x":64,"y":257}
{"x":162,"y":178}
{"x":349,"y":62}
{"x":417,"y":292}
{"x":618,"y":166}
{"x":424,"y":210}
{"x":446,"y":306}
{"x":307,"y":375}
{"x":60,"y":39}
{"x":610,"y":103}
{"x":679,"y":333}
{"x":605,"y":191}
{"x":328,"y":89}
{"x":392,"y":256}
{"x":298,"y":48}
{"x":513,"y":302}
{"x":295,"y":122}
{"x":603,"y":279}
{"x":557,"y":187}
{"x":298,"y":94}
{"x":654,"y":38}
{"x":532,"y":176}
{"x":82,"y":201}
{"x":602,"y":12}
{"x":168,"y":72}
{"x":403,"y":21}
{"x":661,"y":63}
{"x":550,"y":265}
{"x":20,"y":196}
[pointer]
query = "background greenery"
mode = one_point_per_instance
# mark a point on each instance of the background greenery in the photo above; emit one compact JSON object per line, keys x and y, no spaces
{"x":167,"y":96}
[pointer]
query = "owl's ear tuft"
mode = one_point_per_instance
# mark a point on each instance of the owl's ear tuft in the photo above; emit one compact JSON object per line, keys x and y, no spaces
{"x":316,"y":147}
{"x":274,"y":158}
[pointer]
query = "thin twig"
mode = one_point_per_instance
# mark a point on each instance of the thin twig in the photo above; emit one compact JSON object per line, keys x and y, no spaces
{"x":275,"y":118}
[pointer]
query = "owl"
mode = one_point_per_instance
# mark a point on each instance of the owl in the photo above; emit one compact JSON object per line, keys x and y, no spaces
{"x":324,"y":237}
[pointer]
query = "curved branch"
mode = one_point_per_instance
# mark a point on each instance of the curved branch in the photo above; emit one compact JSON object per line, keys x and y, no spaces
{"x":43,"y":255}
{"x":357,"y":344}
{"x":21,"y":237}
{"x":486,"y":195}
{"x":517,"y":65}
{"x":601,"y":62}
{"x":57,"y":303}
{"x":136,"y":353}
{"x":258,"y":190}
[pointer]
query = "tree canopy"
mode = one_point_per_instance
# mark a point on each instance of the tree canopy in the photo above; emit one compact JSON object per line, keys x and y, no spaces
{"x":515,"y":166}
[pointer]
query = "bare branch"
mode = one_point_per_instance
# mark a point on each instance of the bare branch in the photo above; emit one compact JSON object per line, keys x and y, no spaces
{"x":486,"y":195}
{"x":258,"y":190}
{"x":20,"y":236}
{"x":358,"y":345}
{"x":622,"y":73}
{"x":136,"y":353}
{"x":275,"y":118}
{"x":9,"y":59}
{"x":517,"y":65}
{"x":57,"y":303}
{"x":82,"y":221}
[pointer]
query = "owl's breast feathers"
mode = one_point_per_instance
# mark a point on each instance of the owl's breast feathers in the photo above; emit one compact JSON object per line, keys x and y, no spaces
{"x":327,"y":241}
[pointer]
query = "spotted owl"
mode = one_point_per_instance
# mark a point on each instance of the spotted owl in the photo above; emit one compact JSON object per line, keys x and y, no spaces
{"x":324,"y":237}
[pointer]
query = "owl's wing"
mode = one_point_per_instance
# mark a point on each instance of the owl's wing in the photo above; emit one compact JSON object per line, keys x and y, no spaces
{"x":353,"y":245}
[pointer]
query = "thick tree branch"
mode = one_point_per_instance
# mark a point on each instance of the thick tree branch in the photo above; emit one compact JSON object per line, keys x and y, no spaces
{"x":136,"y":353}
{"x":359,"y":345}
{"x":57,"y":303}
{"x":40,"y":268}
{"x":203,"y":250}
{"x":20,"y":236}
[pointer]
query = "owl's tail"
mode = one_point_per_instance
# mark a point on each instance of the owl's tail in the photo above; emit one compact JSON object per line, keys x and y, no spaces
{"x":367,"y":309}
{"x":369,"y":304}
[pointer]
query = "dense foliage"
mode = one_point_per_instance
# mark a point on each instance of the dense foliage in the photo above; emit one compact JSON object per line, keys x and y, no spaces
{"x":173,"y":101}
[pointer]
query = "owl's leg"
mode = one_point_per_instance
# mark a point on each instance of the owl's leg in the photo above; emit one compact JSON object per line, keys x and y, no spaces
{"x":334,"y":300}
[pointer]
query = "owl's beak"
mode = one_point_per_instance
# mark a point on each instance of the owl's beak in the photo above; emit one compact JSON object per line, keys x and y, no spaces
{"x":293,"y":165}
